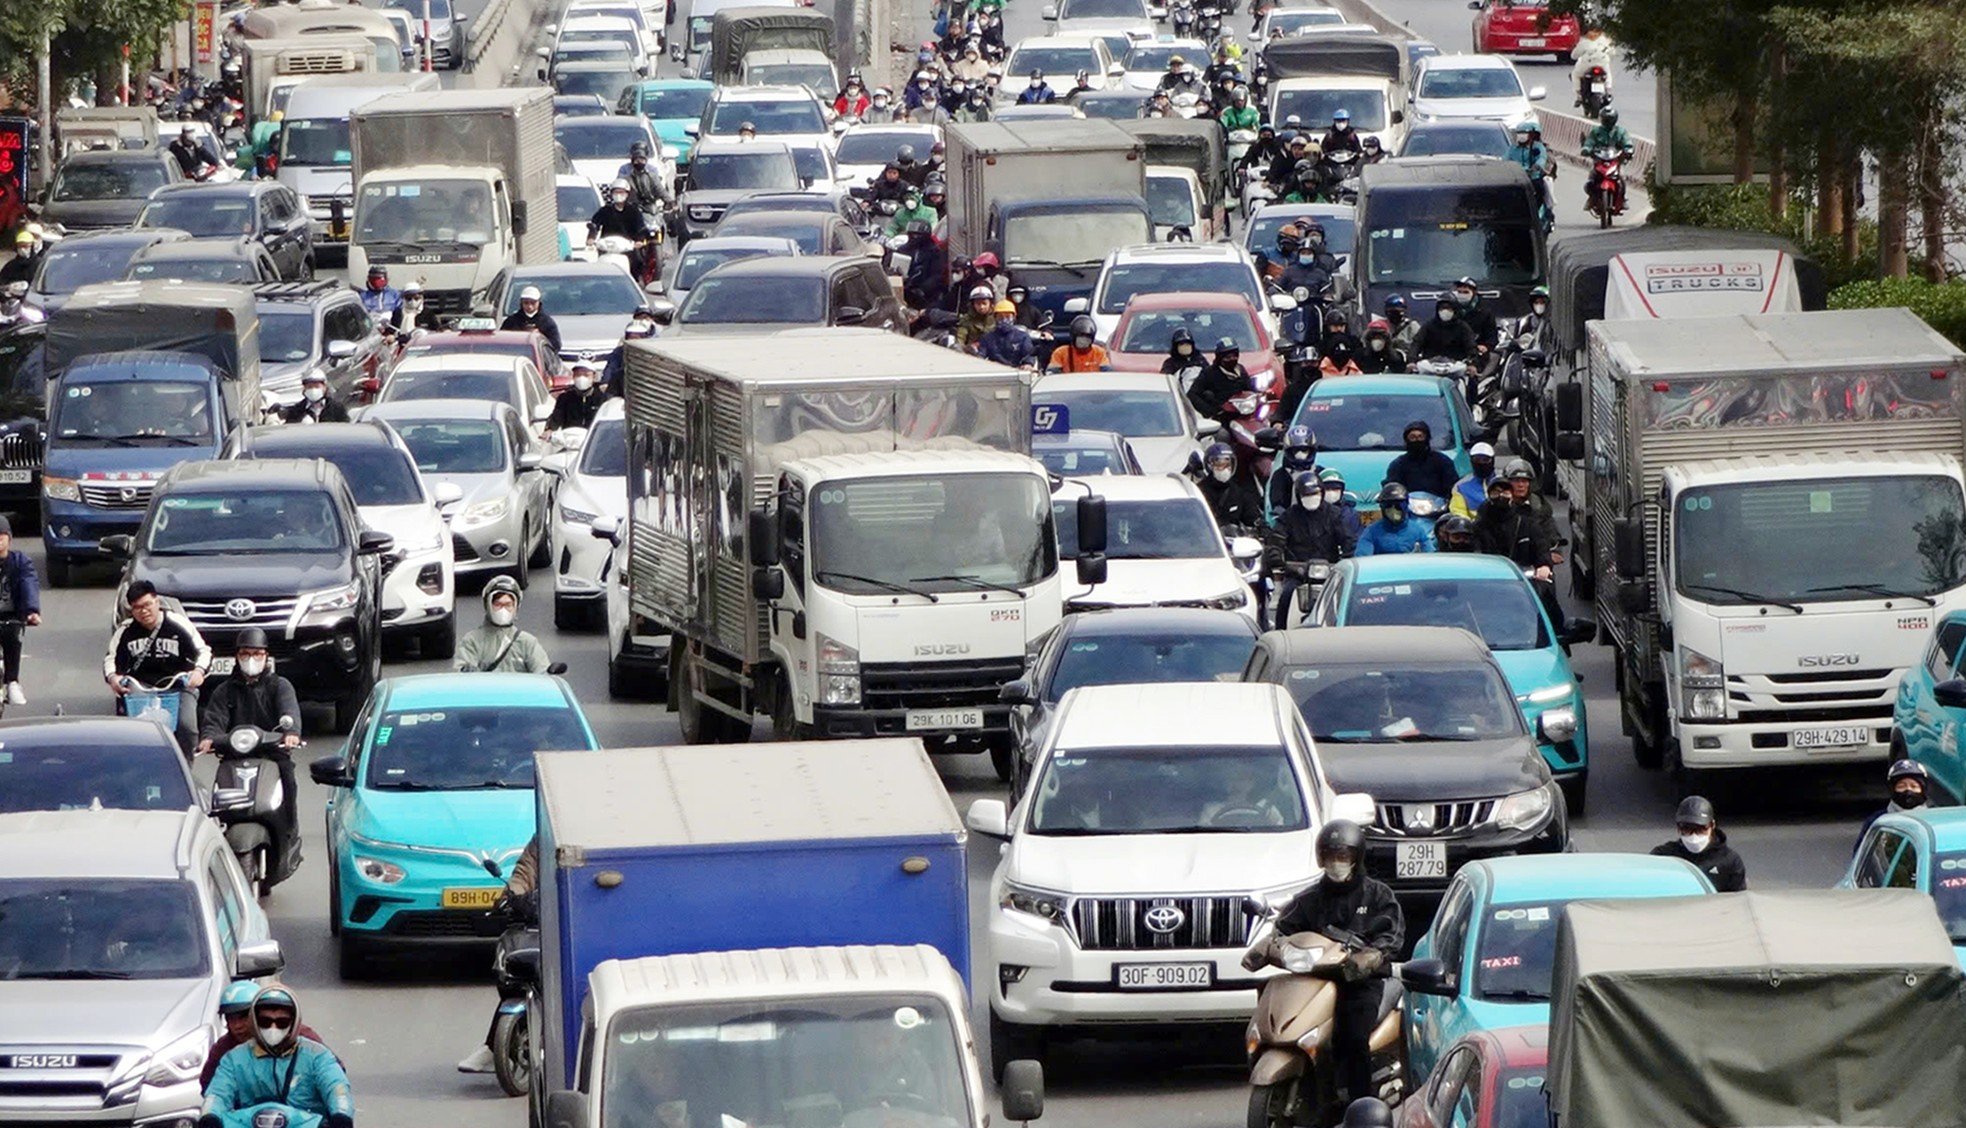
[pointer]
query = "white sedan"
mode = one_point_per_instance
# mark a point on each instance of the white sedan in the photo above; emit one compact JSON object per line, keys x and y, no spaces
{"x":593,"y":486}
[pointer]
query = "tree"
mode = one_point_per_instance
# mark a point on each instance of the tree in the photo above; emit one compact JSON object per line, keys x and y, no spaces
{"x":91,"y":40}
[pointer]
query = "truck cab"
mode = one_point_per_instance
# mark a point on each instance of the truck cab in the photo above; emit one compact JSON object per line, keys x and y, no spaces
{"x":1055,"y":246}
{"x":450,"y":227}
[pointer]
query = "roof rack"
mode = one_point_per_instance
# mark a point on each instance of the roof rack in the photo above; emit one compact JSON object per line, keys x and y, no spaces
{"x":294,"y":291}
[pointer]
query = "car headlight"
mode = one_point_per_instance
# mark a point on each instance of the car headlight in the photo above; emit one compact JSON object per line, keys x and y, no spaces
{"x":839,"y":673}
{"x":702,"y":214}
{"x":61,"y":489}
{"x":1040,"y":903}
{"x":1228,"y":600}
{"x":1524,"y":809}
{"x":379,"y":871}
{"x":574,"y":516}
{"x":1558,"y":724}
{"x":334,"y":599}
{"x":180,"y":1061}
{"x":484,"y":512}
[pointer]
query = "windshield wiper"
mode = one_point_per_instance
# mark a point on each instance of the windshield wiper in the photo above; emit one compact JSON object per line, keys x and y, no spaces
{"x":115,"y":440}
{"x":973,"y":581}
{"x":1750,"y":596}
{"x":132,"y":440}
{"x":77,"y":973}
{"x":401,"y":785}
{"x":1052,"y":262}
{"x":885,"y":585}
{"x":1878,"y":589}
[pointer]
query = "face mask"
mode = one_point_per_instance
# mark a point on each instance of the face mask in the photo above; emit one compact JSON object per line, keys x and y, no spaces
{"x":1339,"y":872}
{"x":1311,"y":500}
{"x":1005,"y":321}
{"x":413,"y":300}
{"x":315,"y":395}
{"x":1416,"y":446}
{"x":1483,"y":467}
{"x":1378,"y":344}
{"x":1395,"y":314}
{"x":1696,"y":843}
{"x":1334,"y":496}
{"x":1221,"y":473}
{"x":502,"y":616}
{"x":1447,"y":315}
{"x":1463,"y":299}
{"x":1184,"y":350}
{"x":252,"y":667}
{"x":1341,"y":126}
{"x":1306,"y":258}
{"x":1081,"y":343}
{"x":621,"y":199}
{"x":1909,"y":799}
{"x":275,"y":1036}
{"x":880,"y":103}
{"x":1393,"y":516}
{"x":582,"y":383}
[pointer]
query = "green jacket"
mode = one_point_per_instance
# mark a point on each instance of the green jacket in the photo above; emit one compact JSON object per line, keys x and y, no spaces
{"x":1234,"y":119}
{"x":1614,"y":137}
{"x":486,"y":650}
{"x":908,"y":215}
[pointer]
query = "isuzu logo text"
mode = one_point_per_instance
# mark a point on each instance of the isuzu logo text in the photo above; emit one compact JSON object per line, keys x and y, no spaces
{"x":938,"y":649}
{"x":1823,"y":661}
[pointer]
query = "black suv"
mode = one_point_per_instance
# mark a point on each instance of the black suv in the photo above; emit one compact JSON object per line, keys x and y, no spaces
{"x":264,"y":211}
{"x":316,"y":326}
{"x":23,"y":416}
{"x":275,"y":544}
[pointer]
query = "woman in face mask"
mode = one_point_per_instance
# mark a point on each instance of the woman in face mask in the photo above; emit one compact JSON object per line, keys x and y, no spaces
{"x":1380,"y":354}
{"x":1703,"y":843}
{"x":500,"y":646}
{"x":1180,"y":353}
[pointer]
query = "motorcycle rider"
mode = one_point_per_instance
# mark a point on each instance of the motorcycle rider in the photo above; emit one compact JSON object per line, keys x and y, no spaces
{"x":650,"y":192}
{"x":1308,"y":532}
{"x":1394,"y":532}
{"x":1381,"y":354}
{"x":256,"y":695}
{"x":1593,"y":49}
{"x":1346,"y":899}
{"x":20,"y":608}
{"x":1310,"y":267}
{"x":235,"y":1010}
{"x":1028,"y":314}
{"x":1181,"y":78}
{"x":1271,"y":263}
{"x":1006,"y":342}
{"x":315,"y":404}
{"x":1406,"y":330}
{"x":1367,"y":1112}
{"x":623,"y":216}
{"x":923,"y":96}
{"x":1307,"y":180}
{"x":891,"y":185}
{"x":1239,"y":114}
{"x":1910,"y":786}
{"x":912,"y":209}
{"x":1037,"y":93}
{"x":1535,"y":159}
{"x":1446,"y":336}
{"x":1233,"y":498}
{"x":1266,"y":151}
{"x":1339,"y":359}
{"x":970,"y":67}
{"x":1338,"y":332}
{"x":1702,"y":842}
{"x":193,"y":159}
{"x":978,"y":319}
{"x":1297,"y":458}
{"x":154,"y":645}
{"x":411,"y":313}
{"x":1475,"y":315}
{"x":13,"y":311}
{"x":880,"y":108}
{"x":499,"y":646}
{"x":379,"y":298}
{"x":1455,"y":533}
{"x":579,"y":402}
{"x":28,"y":252}
{"x":1082,"y":353}
{"x":612,"y":372}
{"x":519,"y":901}
{"x":1332,"y":482}
{"x":853,"y":101}
{"x":935,"y":195}
{"x":1282,"y":173}
{"x":976,"y":107}
{"x":1180,"y":353}
{"x":280,"y":1068}
{"x":1536,"y":323}
{"x":1370,"y":151}
{"x":1421,"y":468}
{"x":1513,"y":526}
{"x":1608,"y":134}
{"x":531,"y":316}
{"x":1341,"y":137}
{"x":1472,"y":490}
{"x":1224,"y":378}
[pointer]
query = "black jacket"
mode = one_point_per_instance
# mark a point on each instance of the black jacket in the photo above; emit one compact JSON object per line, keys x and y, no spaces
{"x":1482,"y":323}
{"x":1431,"y":472}
{"x":1518,"y":532}
{"x":1364,"y":907}
{"x":1453,"y":339}
{"x":1346,"y":142}
{"x":541,"y":323}
{"x":329,"y":410}
{"x":628,"y":222}
{"x":20,"y":268}
{"x":1317,"y":534}
{"x":175,"y":648}
{"x":1234,"y":502}
{"x":574,"y":408}
{"x":1718,"y":861}
{"x":1392,"y":360}
{"x":1212,"y":389}
{"x":260,"y":702}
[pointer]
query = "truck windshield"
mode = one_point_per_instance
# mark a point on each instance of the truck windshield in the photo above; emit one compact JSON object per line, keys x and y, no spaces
{"x":1370,"y":705}
{"x":1183,"y":789}
{"x":213,"y":523}
{"x":425,"y":212}
{"x":1170,"y":201}
{"x":1949,"y":890}
{"x":854,"y":1059}
{"x":772,"y":168}
{"x":469,"y":749}
{"x":1366,"y":105}
{"x":1500,"y":252}
{"x":816,"y":77}
{"x":1168,"y":529}
{"x":1514,"y":952}
{"x":960,"y":532}
{"x":1124,"y":280}
{"x":201,"y":213}
{"x":316,"y":142}
{"x":132,"y":412}
{"x":1076,"y":236}
{"x":1821,"y":540}
{"x":285,"y":338}
{"x":101,"y":929}
{"x":1504,"y":613}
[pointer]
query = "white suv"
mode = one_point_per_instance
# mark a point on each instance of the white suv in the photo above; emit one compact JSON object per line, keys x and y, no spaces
{"x":1153,"y":813}
{"x":1163,"y":547}
{"x":1160,"y":268}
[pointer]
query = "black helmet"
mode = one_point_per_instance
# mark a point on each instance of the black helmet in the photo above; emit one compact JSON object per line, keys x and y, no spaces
{"x":1368,"y":1112}
{"x":638,"y":149}
{"x":905,"y":155}
{"x":1227,"y":345}
{"x":1084,"y":326}
{"x":1609,"y":117}
{"x":1694,"y":810}
{"x":1307,"y":483}
{"x":1340,"y":834}
{"x":379,"y":271}
{"x":1392,"y":493}
{"x":1305,"y":170}
{"x":1907,"y":769}
{"x":252,"y":638}
{"x":1519,"y":471}
{"x":1218,"y":451}
{"x":1453,"y":526}
{"x":1181,"y":337}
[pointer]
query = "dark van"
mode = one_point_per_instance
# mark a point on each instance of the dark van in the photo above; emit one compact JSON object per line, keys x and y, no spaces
{"x":1424,"y":222}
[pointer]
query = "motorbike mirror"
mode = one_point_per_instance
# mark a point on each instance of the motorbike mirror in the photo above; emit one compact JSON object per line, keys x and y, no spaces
{"x":257,"y":960}
{"x":1399,"y":116}
{"x":1022,"y":1090}
{"x":1427,"y":977}
{"x":1269,"y":438}
{"x":1535,"y":358}
{"x":1950,"y":694}
{"x":664,"y":312}
{"x":556,"y":668}
{"x":1091,"y":525}
{"x":331,"y":771}
{"x":1245,"y":548}
{"x":491,"y":867}
{"x":340,"y":350}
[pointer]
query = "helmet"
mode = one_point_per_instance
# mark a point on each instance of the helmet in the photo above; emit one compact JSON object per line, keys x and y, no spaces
{"x":1907,"y":769}
{"x":1367,"y":1112}
{"x":412,"y":290}
{"x":1227,"y":345}
{"x":1393,"y":494}
{"x":238,"y":997}
{"x":1003,"y":306}
{"x":1084,"y":326}
{"x":638,"y":149}
{"x":982,"y":294}
{"x":1332,"y":477}
{"x":1524,"y":126}
{"x":621,"y":185}
{"x":1609,"y":118}
{"x":1181,"y":337}
{"x":1342,"y":115}
{"x":1396,"y":301}
{"x":1304,"y":170}
{"x":252,"y":638}
{"x":987,"y":260}
{"x":1175,"y":62}
{"x":1306,"y":483}
{"x":1340,"y":834}
{"x":1694,"y":810}
{"x":1336,"y":316}
{"x":1519,"y":471}
{"x":936,"y":186}
{"x":1469,"y":282}
{"x":1218,"y":452}
{"x":1452,"y":527}
{"x":1037,"y":76}
{"x":1540,"y":292}
{"x":905,"y":155}
{"x":1299,"y":437}
{"x":379,"y":271}
{"x":502,"y":585}
{"x":276,"y":996}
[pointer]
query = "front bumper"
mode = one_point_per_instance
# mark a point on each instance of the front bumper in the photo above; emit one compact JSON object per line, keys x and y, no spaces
{"x":1058,"y":984}
{"x":1706,"y":744}
{"x":577,"y":564}
{"x":125,"y":1104}
{"x":411,"y":912}
{"x":419,"y":590}
{"x":70,"y":528}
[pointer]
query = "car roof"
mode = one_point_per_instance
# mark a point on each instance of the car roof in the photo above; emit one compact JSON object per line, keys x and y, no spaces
{"x":677,"y":84}
{"x":308,"y":293}
{"x":97,"y":843}
{"x":764,"y":94}
{"x":1558,"y":877}
{"x":740,"y":243}
{"x":1122,"y":622}
{"x":1518,"y":1047}
{"x":1378,"y":386}
{"x":459,"y":362}
{"x":114,"y":156}
{"x":196,"y":250}
{"x":259,"y":473}
{"x":122,"y":237}
{"x":437,"y":691}
{"x":435,"y":342}
{"x":728,"y":143}
{"x":1451,"y":169}
{"x":1946,"y":825}
{"x":1177,"y":252}
{"x":1081,"y":438}
{"x":1188,"y":299}
{"x":1466,"y":62}
{"x":1239,"y":714}
{"x":267,"y":441}
{"x":789,"y":217}
{"x":1384,"y":645}
{"x":565,"y":269}
{"x":1142,"y":487}
{"x":456,"y":409}
{"x":1434,"y":566}
{"x":247,"y":188}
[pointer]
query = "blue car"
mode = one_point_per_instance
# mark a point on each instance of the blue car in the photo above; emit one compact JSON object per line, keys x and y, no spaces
{"x":1360,"y":423}
{"x":1486,"y":962}
{"x":1923,"y":849}
{"x":1930,"y":709}
{"x":673,"y":107}
{"x":1490,"y":596}
{"x":433,"y":803}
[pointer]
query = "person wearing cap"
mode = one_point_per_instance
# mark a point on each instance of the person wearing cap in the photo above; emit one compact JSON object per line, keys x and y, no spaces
{"x":641,"y":327}
{"x":20,"y":607}
{"x":1703,"y":843}
{"x":378,"y":296}
{"x":316,"y":404}
{"x":977,"y":319}
{"x":281,"y":1067}
{"x":577,"y":405}
{"x":1007,"y":342}
{"x":532,"y":317}
{"x":28,"y":253}
{"x":192,"y":158}
{"x":235,"y":1011}
{"x":1472,"y":490}
{"x":412,"y":313}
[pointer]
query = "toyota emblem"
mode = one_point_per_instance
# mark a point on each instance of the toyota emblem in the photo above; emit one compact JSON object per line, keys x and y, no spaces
{"x":1164,"y":919}
{"x":240,"y":610}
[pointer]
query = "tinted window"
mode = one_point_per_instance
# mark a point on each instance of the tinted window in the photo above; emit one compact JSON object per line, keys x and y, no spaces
{"x":576,"y":201}
{"x":1373,"y":422}
{"x":755,"y":300}
{"x":675,"y":104}
{"x":782,"y":116}
{"x":696,"y":263}
{"x":1152,"y":331}
{"x":858,"y":147}
{"x":1480,"y":82}
{"x":209,"y":523}
{"x":806,"y":230}
{"x":128,"y":411}
{"x":68,"y":269}
{"x":101,"y":928}
{"x":285,"y":336}
{"x":23,"y":366}
{"x":1081,"y":460}
{"x":1515,"y":951}
{"x":376,"y":475}
{"x":605,"y":454}
{"x":771,"y":168}
{"x":1134,"y":658}
{"x":116,"y":776}
{"x":1339,"y":230}
{"x":1438,"y":140}
{"x":463,"y":446}
{"x":226,"y":270}
{"x":1367,"y":107}
{"x":594,"y":137}
{"x":1185,"y":790}
{"x":108,"y":181}
{"x":1127,"y":279}
{"x":203,"y":214}
{"x":492,"y":387}
{"x":589,"y":292}
{"x":1173,"y":529}
{"x":1360,"y":705}
{"x":1135,"y":414}
{"x":467,"y":749}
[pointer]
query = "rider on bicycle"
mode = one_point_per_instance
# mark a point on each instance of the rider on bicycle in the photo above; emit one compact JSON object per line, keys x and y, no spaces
{"x":152,"y":647}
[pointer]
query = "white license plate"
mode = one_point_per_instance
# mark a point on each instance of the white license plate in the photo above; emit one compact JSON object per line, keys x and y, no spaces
{"x":1842,"y":736}
{"x":925,"y":720}
{"x":1156,"y":977}
{"x":1420,"y":859}
{"x":1532,"y":41}
{"x":15,"y":477}
{"x":221,"y":667}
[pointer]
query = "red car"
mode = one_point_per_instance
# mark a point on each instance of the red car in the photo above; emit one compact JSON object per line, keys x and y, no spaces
{"x":501,"y":341}
{"x":1523,"y":27}
{"x":1141,"y":340}
{"x":1488,"y":1079}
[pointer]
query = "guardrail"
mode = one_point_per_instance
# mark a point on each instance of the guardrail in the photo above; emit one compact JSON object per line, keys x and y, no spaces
{"x":483,"y":32}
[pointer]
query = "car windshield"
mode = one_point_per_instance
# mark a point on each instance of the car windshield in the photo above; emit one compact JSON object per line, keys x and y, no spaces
{"x":425,"y":212}
{"x":495,"y":387}
{"x":868,"y":147}
{"x":606,"y":85}
{"x":783,"y":115}
{"x":204,"y":214}
{"x":66,"y":270}
{"x":1175,"y":528}
{"x":128,"y":412}
{"x":1470,"y":82}
{"x":577,"y":202}
{"x":598,"y":137}
{"x":1949,"y":891}
{"x":1366,"y":105}
{"x":376,"y":475}
{"x":1083,"y":460}
{"x":285,"y":337}
{"x":1370,"y":422}
{"x":1421,"y":255}
{"x":1126,"y":279}
{"x":222,"y":270}
{"x":472,"y":748}
{"x":101,"y":928}
{"x":1481,"y":140}
{"x":1154,"y":56}
{"x":675,"y":105}
{"x":1076,"y":236}
{"x":1188,"y":789}
{"x":1388,"y":704}
{"x":756,"y":300}
{"x":1523,"y":1103}
{"x":1820,"y":540}
{"x":850,"y":1059}
{"x":1103,"y":10}
{"x":124,"y":181}
{"x":1123,"y":107}
{"x":1152,"y":331}
{"x":588,"y":292}
{"x":808,"y":231}
{"x":771,"y":168}
{"x":1126,"y":659}
{"x":962,"y":532}
{"x":78,"y":776}
{"x":816,"y":77}
{"x":1170,"y":201}
{"x":461,"y":446}
{"x":320,"y":142}
{"x":1053,"y":59}
{"x":1339,"y":230}
{"x":605,"y":453}
{"x":1134,"y":414}
{"x":208,"y":523}
{"x":1515,"y":951}
{"x":1505,"y":614}
{"x":696,"y":263}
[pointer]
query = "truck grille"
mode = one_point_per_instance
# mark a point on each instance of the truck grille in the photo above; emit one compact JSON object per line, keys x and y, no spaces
{"x":1122,"y":924}
{"x":122,"y":495}
{"x":932,"y":685}
{"x":271,"y":612}
{"x":21,"y":450}
{"x":1432,"y":820}
{"x":1832,"y":696}
{"x":447,"y":303}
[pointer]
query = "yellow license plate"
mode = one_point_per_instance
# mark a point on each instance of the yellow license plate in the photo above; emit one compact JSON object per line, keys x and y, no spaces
{"x":470,"y":898}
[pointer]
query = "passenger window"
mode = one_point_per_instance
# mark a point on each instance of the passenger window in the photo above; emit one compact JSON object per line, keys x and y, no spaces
{"x":843,"y":293}
{"x":1878,"y":855}
{"x":226,"y":907}
{"x":1903,"y":873}
{"x":1943,"y":659}
{"x":268,"y":216}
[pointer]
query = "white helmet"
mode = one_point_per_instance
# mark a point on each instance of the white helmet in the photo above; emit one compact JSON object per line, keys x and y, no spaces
{"x":621,"y":185}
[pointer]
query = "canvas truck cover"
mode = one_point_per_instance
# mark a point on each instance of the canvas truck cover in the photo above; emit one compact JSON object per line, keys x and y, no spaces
{"x":1196,"y":144}
{"x":219,"y":323}
{"x":111,"y":127}
{"x":1580,"y":269}
{"x":1757,"y":1010}
{"x":737,"y":32}
{"x":1317,"y":56}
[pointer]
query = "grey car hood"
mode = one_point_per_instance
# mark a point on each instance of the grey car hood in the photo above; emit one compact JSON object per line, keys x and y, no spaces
{"x":595,"y":334}
{"x":83,"y":214}
{"x":127,"y":1012}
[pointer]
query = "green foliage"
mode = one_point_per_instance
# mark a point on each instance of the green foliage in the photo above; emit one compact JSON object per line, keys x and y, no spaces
{"x":1744,"y":207}
{"x":1941,"y":304}
{"x":90,"y":40}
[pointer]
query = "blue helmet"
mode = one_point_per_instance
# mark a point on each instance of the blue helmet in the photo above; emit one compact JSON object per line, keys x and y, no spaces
{"x":1342,"y":115}
{"x":238,"y":997}
{"x":1299,"y":446}
{"x":1217,"y":452}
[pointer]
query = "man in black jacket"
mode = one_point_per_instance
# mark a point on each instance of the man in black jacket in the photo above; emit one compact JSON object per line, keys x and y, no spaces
{"x":255,"y":695}
{"x":316,"y":403}
{"x":1702,"y":842}
{"x":580,"y":402}
{"x":1422,"y":469}
{"x":533,"y":316}
{"x":1308,"y":532}
{"x":1224,"y":378}
{"x":1518,"y":525}
{"x":1233,"y":498}
{"x":1345,"y":900}
{"x":1445,"y":336}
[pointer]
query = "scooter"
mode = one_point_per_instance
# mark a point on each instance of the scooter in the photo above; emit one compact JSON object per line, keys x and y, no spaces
{"x":1594,"y":92}
{"x":1240,"y":142}
{"x":1183,"y":17}
{"x":1292,"y":1074}
{"x":249,"y":799}
{"x":516,"y":964}
{"x":1341,"y":177}
{"x":1607,"y":186}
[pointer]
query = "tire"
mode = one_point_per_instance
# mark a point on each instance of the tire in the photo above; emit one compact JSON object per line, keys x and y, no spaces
{"x":352,"y":960}
{"x":348,"y":706}
{"x":61,"y":571}
{"x":784,"y":725}
{"x":334,"y":896}
{"x":439,"y":640}
{"x":1012,"y":1041}
{"x":567,"y":614}
{"x":1268,"y":1105}
{"x":1574,"y":793}
{"x":697,"y":723}
{"x":1003,"y":758}
{"x":509,"y":1053}
{"x":1604,"y":214}
{"x":618,"y":687}
{"x":542,"y":553}
{"x":1565,"y":57}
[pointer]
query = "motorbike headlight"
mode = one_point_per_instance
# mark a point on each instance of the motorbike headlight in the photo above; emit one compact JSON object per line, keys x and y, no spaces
{"x":1524,"y":809}
{"x":379,"y":871}
{"x":573,"y":516}
{"x":61,"y":489}
{"x":334,"y":599}
{"x":484,"y":512}
{"x":1299,"y":961}
{"x":1040,"y":903}
{"x":180,"y":1061}
{"x":1420,"y":505}
{"x":243,"y":739}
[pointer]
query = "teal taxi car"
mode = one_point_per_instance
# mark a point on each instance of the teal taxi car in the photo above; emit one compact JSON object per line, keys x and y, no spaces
{"x":1923,"y":849}
{"x":1931,"y":710}
{"x":432,"y":803}
{"x":673,"y":107}
{"x":1486,"y":962}
{"x":1360,"y":423}
{"x":1490,"y":596}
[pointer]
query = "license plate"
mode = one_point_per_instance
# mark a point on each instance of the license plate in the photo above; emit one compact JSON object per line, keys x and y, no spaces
{"x":922,"y":720}
{"x":1158,"y":977}
{"x":15,"y":477}
{"x":1533,"y":41}
{"x":1842,"y":736}
{"x":1367,"y":516}
{"x":470,"y":898}
{"x":221,"y":667}
{"x":1420,"y":859}
{"x":337,"y":231}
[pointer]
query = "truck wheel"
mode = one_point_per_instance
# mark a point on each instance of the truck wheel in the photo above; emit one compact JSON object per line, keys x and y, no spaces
{"x":1012,"y":1041}
{"x":691,"y":717}
{"x":784,"y":723}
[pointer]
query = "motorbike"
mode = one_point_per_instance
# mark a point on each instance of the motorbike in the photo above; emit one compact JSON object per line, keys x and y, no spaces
{"x":1341,"y":177}
{"x":1182,"y":15}
{"x":1208,"y":25}
{"x":1426,"y":508}
{"x":1310,"y":575}
{"x":1185,"y":103}
{"x":1292,"y":1075}
{"x":249,"y":800}
{"x":620,"y":250}
{"x":1594,"y":92}
{"x":515,"y":962}
{"x":1607,"y":185}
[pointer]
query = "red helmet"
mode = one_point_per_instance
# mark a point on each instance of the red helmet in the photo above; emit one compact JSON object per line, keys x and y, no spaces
{"x":987,"y":260}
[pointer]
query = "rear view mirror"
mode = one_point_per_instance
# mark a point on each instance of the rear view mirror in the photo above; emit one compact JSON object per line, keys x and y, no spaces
{"x":373,"y":543}
{"x":1354,"y":806}
{"x":1077,"y":305}
{"x":1950,"y":693}
{"x":1092,"y":526}
{"x":1022,"y":1090}
{"x":340,"y":350}
{"x":1570,"y":446}
{"x":762,"y":532}
{"x":1019,"y":693}
{"x":850,"y":315}
{"x":519,"y":213}
{"x":988,"y":817}
{"x":1091,"y":567}
{"x":257,"y":960}
{"x":607,"y":529}
{"x":566,"y":1109}
{"x":331,"y":771}
{"x":1427,"y":977}
{"x":447,"y":494}
{"x":1207,"y":428}
{"x":117,"y":547}
{"x":1538,"y":93}
{"x":1628,"y":547}
{"x":1570,"y":406}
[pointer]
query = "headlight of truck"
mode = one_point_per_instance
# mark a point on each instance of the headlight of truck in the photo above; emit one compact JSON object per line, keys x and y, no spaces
{"x":1524,"y":809}
{"x":1040,"y":903}
{"x":180,"y":1061}
{"x":484,"y":512}
{"x":334,"y":600}
{"x":1557,"y":724}
{"x":61,"y":489}
{"x":1703,"y":681}
{"x":839,"y":673}
{"x":379,"y":871}
{"x":1228,"y":600}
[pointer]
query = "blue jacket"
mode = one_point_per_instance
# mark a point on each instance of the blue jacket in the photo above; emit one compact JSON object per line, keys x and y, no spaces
{"x":385,"y":300}
{"x":1382,"y":537}
{"x":1011,"y":346}
{"x":309,"y":1080}
{"x":23,"y":583}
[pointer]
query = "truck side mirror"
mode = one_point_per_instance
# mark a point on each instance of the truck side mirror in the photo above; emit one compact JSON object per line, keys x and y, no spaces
{"x":1399,"y":116}
{"x":767,"y":584}
{"x":519,"y":212}
{"x":1092,"y":526}
{"x":1091,"y":568}
{"x":565,"y":1109}
{"x":1022,"y":1090}
{"x":1628,"y":547}
{"x":1570,"y":446}
{"x":1570,"y":406}
{"x":761,"y":530}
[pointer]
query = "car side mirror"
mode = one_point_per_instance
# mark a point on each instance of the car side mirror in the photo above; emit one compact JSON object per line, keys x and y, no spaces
{"x":373,"y":543}
{"x":446,"y":494}
{"x":1950,"y":693}
{"x":556,"y":668}
{"x":1269,"y":439}
{"x":566,"y":1109}
{"x":1022,"y":1090}
{"x":1354,"y":806}
{"x":1399,"y":116}
{"x":1578,"y":631}
{"x":331,"y":771}
{"x":663,"y":312}
{"x":693,"y":130}
{"x":1283,"y":303}
{"x":1077,"y":306}
{"x":850,"y":315}
{"x":119,"y":546}
{"x":1474,"y":5}
{"x":1019,"y":693}
{"x":607,"y":529}
{"x":340,"y":350}
{"x":1049,"y":12}
{"x":1091,"y":568}
{"x":258,"y":959}
{"x":1538,"y":93}
{"x":1207,"y":428}
{"x":1427,"y":977}
{"x":989,"y":817}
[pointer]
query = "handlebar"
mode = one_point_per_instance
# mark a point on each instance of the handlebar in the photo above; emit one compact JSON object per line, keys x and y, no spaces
{"x":174,"y":682}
